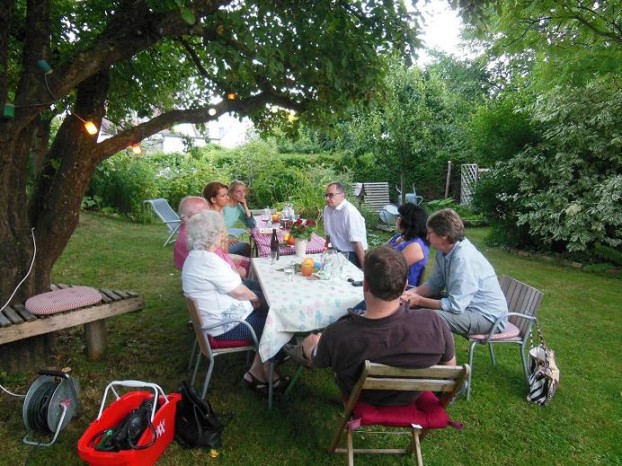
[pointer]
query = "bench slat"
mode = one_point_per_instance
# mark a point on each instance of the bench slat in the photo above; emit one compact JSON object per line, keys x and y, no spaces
{"x":24,"y":313}
{"x":109,"y":293}
{"x":13,"y":316}
{"x":122,"y":293}
{"x":4,"y":322}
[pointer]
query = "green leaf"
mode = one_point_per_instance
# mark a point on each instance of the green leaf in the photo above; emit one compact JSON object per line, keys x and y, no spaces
{"x":188,"y":16}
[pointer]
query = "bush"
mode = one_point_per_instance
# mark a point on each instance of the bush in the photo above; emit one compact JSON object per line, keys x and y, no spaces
{"x":123,"y":182}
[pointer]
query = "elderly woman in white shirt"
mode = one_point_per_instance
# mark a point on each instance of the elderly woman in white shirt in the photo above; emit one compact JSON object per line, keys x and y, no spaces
{"x":220,"y":293}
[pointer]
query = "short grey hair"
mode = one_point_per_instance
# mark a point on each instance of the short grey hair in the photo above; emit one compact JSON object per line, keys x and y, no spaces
{"x":205,"y":229}
{"x":190,"y":206}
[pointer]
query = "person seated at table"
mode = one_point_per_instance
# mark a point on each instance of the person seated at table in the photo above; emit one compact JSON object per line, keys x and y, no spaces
{"x":188,"y":207}
{"x":237,"y":209}
{"x":345,"y":224}
{"x":463,"y":288}
{"x":411,"y":242}
{"x":221,"y":295}
{"x":387,"y":333}
{"x":217,"y":196}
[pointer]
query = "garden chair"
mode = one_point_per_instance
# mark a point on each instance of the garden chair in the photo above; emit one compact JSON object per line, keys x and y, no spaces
{"x":523,"y":302}
{"x":167,"y":215}
{"x":428,"y":411}
{"x":211,"y":347}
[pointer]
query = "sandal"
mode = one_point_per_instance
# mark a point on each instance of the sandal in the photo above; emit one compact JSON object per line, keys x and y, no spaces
{"x":256,"y":384}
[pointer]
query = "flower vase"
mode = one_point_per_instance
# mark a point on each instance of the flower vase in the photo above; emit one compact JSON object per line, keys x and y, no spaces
{"x":300,"y":246}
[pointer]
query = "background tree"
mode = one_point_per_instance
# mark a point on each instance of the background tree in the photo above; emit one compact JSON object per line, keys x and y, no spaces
{"x":553,"y":124}
{"x":163,"y":62}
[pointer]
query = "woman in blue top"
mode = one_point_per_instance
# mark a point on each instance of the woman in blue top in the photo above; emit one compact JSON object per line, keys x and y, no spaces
{"x":237,"y":209}
{"x":411,"y":242}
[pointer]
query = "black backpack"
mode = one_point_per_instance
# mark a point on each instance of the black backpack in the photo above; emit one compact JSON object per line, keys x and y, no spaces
{"x":196,"y":423}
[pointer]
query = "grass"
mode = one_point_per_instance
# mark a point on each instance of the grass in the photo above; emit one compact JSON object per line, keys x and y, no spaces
{"x":580,"y":316}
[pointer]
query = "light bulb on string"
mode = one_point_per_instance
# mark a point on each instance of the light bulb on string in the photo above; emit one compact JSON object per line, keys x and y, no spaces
{"x":231,"y":95}
{"x":212,"y":111}
{"x":88,"y":125}
{"x":136,"y":149}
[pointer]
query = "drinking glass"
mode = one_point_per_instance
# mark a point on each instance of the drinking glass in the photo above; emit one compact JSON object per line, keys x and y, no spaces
{"x":289,"y":272}
{"x":266,"y":216}
{"x":273,"y":256}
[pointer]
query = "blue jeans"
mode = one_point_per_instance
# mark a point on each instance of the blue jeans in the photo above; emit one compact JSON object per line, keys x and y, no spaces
{"x":242,"y":249}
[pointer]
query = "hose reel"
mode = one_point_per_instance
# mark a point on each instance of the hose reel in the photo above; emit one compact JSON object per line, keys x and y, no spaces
{"x":50,"y":403}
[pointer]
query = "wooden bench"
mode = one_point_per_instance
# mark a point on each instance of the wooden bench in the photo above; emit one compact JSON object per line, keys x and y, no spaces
{"x":374,"y":196}
{"x":17,"y":323}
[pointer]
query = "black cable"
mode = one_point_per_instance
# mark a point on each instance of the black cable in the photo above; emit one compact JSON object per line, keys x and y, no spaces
{"x":37,"y":410}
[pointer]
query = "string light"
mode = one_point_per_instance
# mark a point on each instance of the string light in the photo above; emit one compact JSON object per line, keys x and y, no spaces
{"x":232,"y":95}
{"x":45,"y":67}
{"x":136,"y":149}
{"x":212,"y":111}
{"x":88,"y":125}
{"x":9,"y":111}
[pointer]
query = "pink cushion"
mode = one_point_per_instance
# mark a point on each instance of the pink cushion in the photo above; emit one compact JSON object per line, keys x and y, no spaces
{"x":221,"y":344}
{"x":511,"y":333}
{"x":426,"y":411}
{"x":63,"y":300}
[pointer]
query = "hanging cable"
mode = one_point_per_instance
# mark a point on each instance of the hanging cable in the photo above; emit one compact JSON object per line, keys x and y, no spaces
{"x":32,"y":262}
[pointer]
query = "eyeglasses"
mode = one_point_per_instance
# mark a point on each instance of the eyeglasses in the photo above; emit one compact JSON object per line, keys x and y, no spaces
{"x":331,"y":195}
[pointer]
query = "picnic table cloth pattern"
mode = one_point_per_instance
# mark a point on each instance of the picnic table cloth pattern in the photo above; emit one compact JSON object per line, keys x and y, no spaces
{"x":61,"y":300}
{"x":315,"y":245}
{"x":301,"y":305}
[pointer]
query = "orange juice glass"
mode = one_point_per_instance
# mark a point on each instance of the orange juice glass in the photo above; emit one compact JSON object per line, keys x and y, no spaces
{"x":306,"y":269}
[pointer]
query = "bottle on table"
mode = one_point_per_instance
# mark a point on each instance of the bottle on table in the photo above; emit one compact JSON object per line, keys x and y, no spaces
{"x":274,"y":246}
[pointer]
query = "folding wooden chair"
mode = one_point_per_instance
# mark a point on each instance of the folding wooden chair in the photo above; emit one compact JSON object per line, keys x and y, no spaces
{"x":427,"y":412}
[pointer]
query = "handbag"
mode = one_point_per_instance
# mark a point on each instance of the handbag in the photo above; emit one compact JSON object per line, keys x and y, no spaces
{"x":543,"y":373}
{"x":196,"y":423}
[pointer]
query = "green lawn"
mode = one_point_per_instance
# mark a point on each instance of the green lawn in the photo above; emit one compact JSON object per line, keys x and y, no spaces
{"x":580,"y":316}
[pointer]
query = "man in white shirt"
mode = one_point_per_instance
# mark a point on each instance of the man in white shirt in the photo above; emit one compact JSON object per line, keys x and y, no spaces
{"x":345,"y":224}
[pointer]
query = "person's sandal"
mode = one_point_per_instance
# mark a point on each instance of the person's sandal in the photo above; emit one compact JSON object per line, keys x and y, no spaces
{"x":255,"y":384}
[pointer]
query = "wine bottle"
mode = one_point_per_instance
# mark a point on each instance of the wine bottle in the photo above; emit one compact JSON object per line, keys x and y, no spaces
{"x":274,"y":246}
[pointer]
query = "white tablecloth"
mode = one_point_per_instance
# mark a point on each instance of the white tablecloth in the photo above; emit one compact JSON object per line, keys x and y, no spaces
{"x":301,"y":305}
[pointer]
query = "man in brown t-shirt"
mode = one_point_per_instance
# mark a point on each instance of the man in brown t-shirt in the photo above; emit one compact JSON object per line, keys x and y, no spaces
{"x":387,"y":333}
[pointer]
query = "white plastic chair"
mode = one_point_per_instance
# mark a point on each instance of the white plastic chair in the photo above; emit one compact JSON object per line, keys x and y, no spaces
{"x":163,"y":210}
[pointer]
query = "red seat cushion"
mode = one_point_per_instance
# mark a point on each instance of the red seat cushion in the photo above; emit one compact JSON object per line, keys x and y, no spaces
{"x":63,"y":300}
{"x":221,"y":344}
{"x":426,"y":411}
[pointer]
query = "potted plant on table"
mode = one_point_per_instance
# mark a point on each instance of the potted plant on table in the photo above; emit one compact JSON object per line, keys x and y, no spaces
{"x":301,"y":231}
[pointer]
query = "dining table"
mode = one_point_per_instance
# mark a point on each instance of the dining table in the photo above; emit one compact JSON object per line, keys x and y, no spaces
{"x":261,"y":238}
{"x":302,"y":304}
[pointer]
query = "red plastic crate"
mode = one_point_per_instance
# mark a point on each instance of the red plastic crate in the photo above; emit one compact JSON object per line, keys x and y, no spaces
{"x":163,"y":421}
